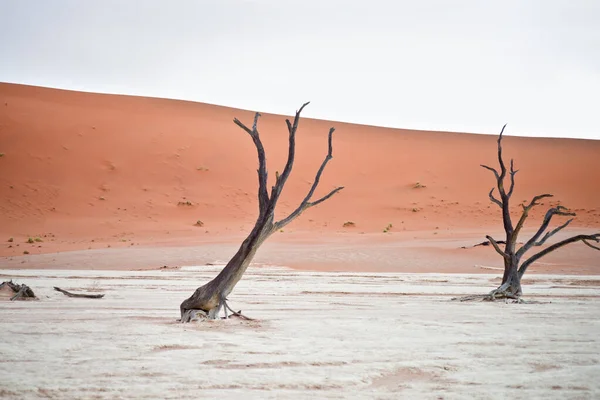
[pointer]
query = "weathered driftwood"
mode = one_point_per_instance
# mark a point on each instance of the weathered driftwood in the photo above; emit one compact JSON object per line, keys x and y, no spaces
{"x":513,"y":267}
{"x":212,"y":297}
{"x":84,"y":296}
{"x":21,"y":291}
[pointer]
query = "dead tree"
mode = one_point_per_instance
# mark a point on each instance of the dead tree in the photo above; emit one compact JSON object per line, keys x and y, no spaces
{"x":512,"y":256}
{"x":208,"y":300}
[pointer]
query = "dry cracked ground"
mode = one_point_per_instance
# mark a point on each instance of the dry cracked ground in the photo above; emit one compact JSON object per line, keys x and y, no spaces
{"x":323,"y":335}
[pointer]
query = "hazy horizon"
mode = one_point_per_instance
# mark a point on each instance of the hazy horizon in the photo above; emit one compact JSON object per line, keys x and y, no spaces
{"x":467,"y":66}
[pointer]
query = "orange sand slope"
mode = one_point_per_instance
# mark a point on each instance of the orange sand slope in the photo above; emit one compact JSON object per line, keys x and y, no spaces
{"x":86,"y":169}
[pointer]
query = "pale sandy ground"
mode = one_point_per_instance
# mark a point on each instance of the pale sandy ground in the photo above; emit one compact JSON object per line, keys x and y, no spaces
{"x":317,"y":335}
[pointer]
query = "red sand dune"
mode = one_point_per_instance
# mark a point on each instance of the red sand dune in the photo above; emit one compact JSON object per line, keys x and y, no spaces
{"x":82,"y":170}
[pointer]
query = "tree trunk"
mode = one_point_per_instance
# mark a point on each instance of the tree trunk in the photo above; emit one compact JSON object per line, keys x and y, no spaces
{"x":211,"y":297}
{"x":511,"y":283}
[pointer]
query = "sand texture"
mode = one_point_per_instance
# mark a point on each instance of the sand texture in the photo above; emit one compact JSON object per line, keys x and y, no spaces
{"x":324,"y":335}
{"x":83,"y":170}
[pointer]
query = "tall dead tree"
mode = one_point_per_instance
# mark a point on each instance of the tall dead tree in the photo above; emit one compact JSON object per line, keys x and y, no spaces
{"x":208,"y":300}
{"x":513,"y":267}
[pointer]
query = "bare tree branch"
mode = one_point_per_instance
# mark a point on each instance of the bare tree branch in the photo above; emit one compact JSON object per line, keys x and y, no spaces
{"x":591,"y":245}
{"x":558,"y":210}
{"x":322,"y":199}
{"x":493,"y":199}
{"x":512,"y":178}
{"x":548,"y":235}
{"x":263,"y":195}
{"x":504,"y":197}
{"x":526,"y":209}
{"x":549,"y":249}
{"x":306,"y":202}
{"x":500,"y":160}
{"x":493,"y":170}
{"x":277,"y":189}
{"x":534,"y":201}
{"x":497,"y":246}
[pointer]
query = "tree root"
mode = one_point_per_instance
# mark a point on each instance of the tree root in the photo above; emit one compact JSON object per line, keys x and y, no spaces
{"x":237,"y":314}
{"x":501,"y":293}
{"x":486,"y":297}
{"x":194,"y":315}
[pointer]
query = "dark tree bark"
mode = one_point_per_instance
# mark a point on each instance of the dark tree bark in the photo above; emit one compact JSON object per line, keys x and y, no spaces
{"x":208,"y":300}
{"x":23,"y":291}
{"x":81,"y":296}
{"x":513,"y":267}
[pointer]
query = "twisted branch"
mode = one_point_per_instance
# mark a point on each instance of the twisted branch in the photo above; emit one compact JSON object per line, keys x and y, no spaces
{"x":263,"y":196}
{"x":306,"y":203}
{"x":497,"y":246}
{"x":549,"y":249}
{"x":526,"y":209}
{"x":281,"y":179}
{"x":591,"y":245}
{"x":493,"y":170}
{"x":548,"y":235}
{"x":493,"y":199}
{"x":513,"y":172}
{"x":558,"y":210}
{"x":500,"y":160}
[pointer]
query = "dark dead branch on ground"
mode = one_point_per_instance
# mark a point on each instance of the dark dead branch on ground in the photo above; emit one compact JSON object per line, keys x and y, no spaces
{"x":83,"y":296}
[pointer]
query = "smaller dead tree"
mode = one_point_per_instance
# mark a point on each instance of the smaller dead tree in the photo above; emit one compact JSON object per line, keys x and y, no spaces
{"x":208,"y":300}
{"x":514,"y":267}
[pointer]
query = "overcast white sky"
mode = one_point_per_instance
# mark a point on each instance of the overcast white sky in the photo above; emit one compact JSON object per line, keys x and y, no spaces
{"x":461,"y":65}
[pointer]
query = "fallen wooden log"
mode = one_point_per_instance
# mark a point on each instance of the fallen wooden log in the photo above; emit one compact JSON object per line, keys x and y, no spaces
{"x":85,"y":296}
